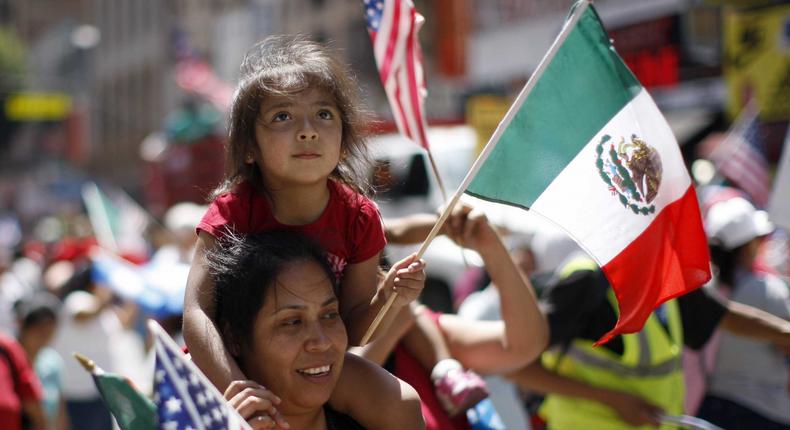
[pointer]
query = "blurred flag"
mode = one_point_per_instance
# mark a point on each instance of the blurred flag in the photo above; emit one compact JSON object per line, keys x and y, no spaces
{"x":618,"y":164}
{"x":131,"y":408}
{"x":740,"y":157}
{"x":184,"y":397}
{"x":193,"y":74}
{"x":118,"y":221}
{"x":157,"y":287}
{"x":393,"y":27}
{"x":779,"y":206}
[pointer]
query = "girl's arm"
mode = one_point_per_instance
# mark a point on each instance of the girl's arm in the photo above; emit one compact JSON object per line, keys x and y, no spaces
{"x":380,"y":349}
{"x":360,"y":303}
{"x":375,"y":398}
{"x":200,"y":333}
{"x":522,"y":334}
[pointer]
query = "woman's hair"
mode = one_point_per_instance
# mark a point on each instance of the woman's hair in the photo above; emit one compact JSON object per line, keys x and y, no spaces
{"x":244,"y":267}
{"x":287,"y":65}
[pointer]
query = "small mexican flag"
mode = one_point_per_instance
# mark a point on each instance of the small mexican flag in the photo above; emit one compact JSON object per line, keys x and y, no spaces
{"x":131,"y":408}
{"x":585,"y":146}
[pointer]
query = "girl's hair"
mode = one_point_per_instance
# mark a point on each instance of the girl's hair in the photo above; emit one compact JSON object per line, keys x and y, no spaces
{"x":287,"y":65}
{"x":244,"y":267}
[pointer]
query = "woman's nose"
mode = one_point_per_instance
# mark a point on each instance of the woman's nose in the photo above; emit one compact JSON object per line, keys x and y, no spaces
{"x":318,"y":339}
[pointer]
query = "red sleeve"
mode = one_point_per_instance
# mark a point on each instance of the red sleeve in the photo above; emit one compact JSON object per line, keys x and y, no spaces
{"x":227,"y":212}
{"x":367,"y":233}
{"x":29,"y":386}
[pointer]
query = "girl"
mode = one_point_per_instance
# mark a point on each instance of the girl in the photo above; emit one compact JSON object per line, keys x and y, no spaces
{"x":296,"y":160}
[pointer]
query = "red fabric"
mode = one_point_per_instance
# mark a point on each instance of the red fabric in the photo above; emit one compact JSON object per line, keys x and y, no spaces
{"x":410,"y":370}
{"x":12,"y":397}
{"x":670,"y":258}
{"x":350,"y":229}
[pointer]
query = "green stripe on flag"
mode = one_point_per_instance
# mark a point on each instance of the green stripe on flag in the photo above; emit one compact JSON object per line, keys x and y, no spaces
{"x":582,"y":88}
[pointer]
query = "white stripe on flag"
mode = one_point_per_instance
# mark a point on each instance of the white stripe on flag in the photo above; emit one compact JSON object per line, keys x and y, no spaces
{"x":579,"y":201}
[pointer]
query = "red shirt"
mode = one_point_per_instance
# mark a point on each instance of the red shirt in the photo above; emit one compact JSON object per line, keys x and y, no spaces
{"x":350,"y":229}
{"x":13,"y":394}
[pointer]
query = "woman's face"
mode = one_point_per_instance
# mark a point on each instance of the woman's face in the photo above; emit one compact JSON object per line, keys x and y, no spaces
{"x":299,"y":340}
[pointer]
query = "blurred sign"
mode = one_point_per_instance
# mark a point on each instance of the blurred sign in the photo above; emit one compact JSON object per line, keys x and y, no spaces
{"x":37,"y":106}
{"x":483,"y":113}
{"x":651,"y":50}
{"x":757,"y":60}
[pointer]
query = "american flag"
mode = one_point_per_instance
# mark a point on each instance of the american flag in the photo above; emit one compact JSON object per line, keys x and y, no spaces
{"x":184,"y":398}
{"x":393,"y":27}
{"x":740,"y":158}
{"x":193,"y":74}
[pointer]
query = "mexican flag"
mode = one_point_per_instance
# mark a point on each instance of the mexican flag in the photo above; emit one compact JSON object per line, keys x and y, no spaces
{"x":585,"y":146}
{"x":132,"y":410}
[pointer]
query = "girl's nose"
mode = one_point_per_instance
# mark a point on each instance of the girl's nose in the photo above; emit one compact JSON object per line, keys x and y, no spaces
{"x":308,"y":132}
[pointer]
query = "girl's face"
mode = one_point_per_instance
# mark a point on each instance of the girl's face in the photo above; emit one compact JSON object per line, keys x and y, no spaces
{"x":298,"y":341}
{"x":298,"y":138}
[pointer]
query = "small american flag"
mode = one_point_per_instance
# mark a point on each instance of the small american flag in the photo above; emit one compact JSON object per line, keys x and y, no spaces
{"x":393,"y":27}
{"x":184,"y":398}
{"x":740,"y":158}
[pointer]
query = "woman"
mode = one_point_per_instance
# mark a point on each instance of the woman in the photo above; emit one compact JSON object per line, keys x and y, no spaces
{"x":747,"y":387}
{"x":278,"y":311}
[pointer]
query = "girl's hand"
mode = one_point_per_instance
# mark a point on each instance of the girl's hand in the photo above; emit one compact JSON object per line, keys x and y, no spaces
{"x":255,"y":404}
{"x":407,"y":278}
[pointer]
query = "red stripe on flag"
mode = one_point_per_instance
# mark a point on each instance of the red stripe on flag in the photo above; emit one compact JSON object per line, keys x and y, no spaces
{"x":670,"y":258}
{"x":401,"y":113}
{"x":384,"y":70}
{"x":414,"y":91}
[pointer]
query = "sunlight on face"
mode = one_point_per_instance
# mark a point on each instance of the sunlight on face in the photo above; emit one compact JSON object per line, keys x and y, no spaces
{"x":299,"y":340}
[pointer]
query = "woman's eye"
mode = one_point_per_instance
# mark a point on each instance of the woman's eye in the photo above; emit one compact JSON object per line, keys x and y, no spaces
{"x":331,"y":315}
{"x":281,"y":116}
{"x":292,"y":322}
{"x":325,"y":114}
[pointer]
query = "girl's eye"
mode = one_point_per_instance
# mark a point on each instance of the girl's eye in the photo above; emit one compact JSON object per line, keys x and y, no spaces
{"x":281,"y":116}
{"x":325,"y":114}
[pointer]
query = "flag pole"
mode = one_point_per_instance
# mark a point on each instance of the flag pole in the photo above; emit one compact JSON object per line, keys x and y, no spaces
{"x":570,"y":23}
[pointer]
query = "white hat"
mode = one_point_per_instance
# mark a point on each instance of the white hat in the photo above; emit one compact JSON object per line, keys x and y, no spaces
{"x":735,"y":222}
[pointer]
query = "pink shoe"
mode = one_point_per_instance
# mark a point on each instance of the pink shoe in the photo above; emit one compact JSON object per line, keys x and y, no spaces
{"x":459,"y":390}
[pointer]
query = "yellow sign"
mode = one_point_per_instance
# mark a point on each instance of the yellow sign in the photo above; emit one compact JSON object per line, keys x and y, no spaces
{"x":483,"y":113}
{"x":757,"y":60}
{"x":37,"y":106}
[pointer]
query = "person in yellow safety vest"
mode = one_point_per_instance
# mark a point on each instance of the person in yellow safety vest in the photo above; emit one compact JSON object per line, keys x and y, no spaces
{"x":628,"y":382}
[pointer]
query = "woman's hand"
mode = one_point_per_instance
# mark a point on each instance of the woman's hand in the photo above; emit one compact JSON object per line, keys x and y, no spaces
{"x":407,"y":279}
{"x":255,"y":404}
{"x":469,"y":228}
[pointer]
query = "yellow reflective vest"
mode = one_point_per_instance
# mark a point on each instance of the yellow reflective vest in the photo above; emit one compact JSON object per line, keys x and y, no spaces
{"x":650,"y":367}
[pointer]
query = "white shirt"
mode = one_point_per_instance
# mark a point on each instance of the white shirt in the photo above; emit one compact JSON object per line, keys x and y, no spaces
{"x":749,"y":372}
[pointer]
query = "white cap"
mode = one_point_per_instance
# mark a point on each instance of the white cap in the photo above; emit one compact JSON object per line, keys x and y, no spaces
{"x":184,"y":216}
{"x":735,"y":222}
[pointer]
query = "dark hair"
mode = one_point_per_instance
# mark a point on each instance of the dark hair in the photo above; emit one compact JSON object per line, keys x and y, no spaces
{"x":287,"y":65}
{"x":243,"y":267}
{"x":41,"y":307}
{"x":726,"y":261}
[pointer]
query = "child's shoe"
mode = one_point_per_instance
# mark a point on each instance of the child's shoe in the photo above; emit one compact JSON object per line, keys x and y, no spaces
{"x":456,"y":388}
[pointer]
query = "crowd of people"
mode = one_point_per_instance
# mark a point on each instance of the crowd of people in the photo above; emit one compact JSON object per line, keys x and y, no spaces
{"x":289,"y":270}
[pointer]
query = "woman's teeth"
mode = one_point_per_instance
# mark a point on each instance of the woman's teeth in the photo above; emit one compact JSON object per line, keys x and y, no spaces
{"x":316,"y":370}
